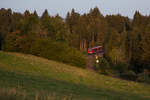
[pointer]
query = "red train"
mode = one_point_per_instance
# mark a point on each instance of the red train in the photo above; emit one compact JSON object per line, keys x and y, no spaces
{"x":95,"y":50}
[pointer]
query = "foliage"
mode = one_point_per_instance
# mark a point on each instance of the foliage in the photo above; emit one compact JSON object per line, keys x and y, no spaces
{"x":124,"y":40}
{"x":122,"y":67}
{"x":102,"y":66}
{"x":146,"y":48}
{"x":10,"y":44}
{"x":57,"y":51}
{"x":130,"y":75}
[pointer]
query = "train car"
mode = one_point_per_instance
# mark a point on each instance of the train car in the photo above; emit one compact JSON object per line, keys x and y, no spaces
{"x":95,"y":50}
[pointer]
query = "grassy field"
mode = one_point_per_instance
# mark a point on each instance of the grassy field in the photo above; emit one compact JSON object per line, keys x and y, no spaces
{"x":41,"y":78}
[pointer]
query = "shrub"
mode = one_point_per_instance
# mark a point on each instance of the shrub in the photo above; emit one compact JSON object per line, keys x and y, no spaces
{"x":17,"y":43}
{"x":103,"y":66}
{"x":129,"y":75}
{"x":47,"y":48}
{"x":121,"y":67}
{"x":144,"y":77}
{"x":58,"y":51}
{"x":10,"y":43}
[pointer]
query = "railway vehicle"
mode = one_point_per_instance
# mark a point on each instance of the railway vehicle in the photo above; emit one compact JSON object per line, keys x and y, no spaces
{"x":95,"y":50}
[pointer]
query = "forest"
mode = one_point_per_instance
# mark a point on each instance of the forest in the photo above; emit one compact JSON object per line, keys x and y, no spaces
{"x":126,"y":41}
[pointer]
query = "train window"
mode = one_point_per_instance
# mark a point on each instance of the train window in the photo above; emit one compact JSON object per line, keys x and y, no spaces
{"x":90,"y":50}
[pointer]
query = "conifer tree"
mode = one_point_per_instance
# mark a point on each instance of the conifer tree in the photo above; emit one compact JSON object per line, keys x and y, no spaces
{"x":146,"y":48}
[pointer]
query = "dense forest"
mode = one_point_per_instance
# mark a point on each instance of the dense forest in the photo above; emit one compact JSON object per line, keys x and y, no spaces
{"x":126,"y":41}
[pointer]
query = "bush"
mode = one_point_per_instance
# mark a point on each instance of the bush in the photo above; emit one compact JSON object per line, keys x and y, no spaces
{"x":58,"y":51}
{"x":121,"y":67}
{"x":17,"y":43}
{"x":129,"y":75}
{"x":10,"y":43}
{"x":103,"y":66}
{"x":144,"y":77}
{"x":47,"y":48}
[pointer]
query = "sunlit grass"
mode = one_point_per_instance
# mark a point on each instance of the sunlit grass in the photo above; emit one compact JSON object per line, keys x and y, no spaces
{"x":26,"y":67}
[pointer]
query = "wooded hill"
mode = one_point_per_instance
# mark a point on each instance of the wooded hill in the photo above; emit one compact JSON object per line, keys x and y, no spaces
{"x":126,"y":41}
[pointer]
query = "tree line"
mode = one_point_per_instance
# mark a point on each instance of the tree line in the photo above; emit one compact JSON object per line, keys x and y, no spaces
{"x":126,"y":41}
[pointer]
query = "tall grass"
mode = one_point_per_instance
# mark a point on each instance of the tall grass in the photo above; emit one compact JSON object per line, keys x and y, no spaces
{"x":12,"y":94}
{"x":20,"y":94}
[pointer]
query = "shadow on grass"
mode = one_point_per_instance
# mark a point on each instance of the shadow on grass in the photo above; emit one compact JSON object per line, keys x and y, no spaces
{"x":32,"y":84}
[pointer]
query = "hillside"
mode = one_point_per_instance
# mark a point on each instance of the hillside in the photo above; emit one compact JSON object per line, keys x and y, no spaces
{"x":37,"y":74}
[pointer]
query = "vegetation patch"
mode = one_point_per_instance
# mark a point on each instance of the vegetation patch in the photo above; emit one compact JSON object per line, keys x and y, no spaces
{"x":37,"y":75}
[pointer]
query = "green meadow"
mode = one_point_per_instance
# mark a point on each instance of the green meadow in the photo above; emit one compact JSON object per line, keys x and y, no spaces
{"x":27,"y":77}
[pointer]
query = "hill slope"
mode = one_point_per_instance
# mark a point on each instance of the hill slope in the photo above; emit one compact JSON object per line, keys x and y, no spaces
{"x":37,"y":74}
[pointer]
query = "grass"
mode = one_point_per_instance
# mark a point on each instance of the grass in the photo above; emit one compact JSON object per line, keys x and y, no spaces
{"x":20,"y":94}
{"x":45,"y":77}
